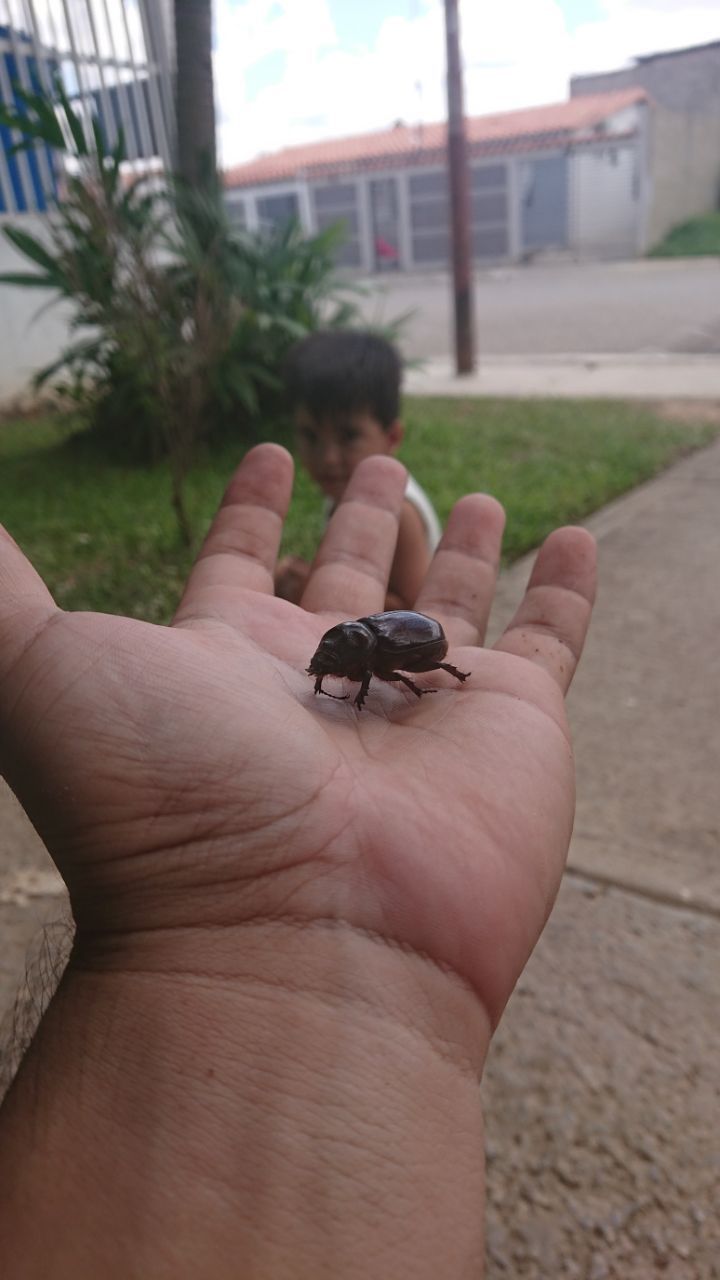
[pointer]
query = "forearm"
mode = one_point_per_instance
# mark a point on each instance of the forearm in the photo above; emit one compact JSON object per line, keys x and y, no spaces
{"x":278,"y":1103}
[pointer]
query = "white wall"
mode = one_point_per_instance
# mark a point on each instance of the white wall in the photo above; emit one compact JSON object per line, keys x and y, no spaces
{"x":626,"y":119}
{"x":605,"y":200}
{"x":26,"y":345}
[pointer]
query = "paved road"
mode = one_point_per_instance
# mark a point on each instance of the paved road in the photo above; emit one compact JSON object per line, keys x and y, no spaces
{"x":550,"y":308}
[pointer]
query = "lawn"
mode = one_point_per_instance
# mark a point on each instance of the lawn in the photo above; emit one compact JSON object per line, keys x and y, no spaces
{"x":698,"y":237}
{"x":103,"y":535}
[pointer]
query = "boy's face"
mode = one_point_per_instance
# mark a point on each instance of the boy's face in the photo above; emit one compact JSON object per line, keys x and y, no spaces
{"x":330,"y":449}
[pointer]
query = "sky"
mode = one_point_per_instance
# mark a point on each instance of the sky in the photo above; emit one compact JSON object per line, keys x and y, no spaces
{"x":295,"y":71}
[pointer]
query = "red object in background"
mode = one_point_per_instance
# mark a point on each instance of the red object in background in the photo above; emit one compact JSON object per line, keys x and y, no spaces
{"x":384,"y":249}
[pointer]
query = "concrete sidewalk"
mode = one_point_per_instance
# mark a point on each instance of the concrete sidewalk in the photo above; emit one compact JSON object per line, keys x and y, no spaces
{"x":609,"y":377}
{"x":603,"y":1086}
{"x":602,"y":1089}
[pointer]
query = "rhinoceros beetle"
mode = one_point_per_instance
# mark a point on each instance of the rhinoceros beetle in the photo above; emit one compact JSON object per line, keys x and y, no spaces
{"x":377,"y":646}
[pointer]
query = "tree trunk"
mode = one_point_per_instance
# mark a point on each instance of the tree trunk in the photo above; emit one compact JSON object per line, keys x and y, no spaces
{"x":194,"y":93}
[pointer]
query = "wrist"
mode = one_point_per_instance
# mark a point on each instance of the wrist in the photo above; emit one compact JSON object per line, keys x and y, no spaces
{"x":329,"y":965}
{"x":270,"y":1093}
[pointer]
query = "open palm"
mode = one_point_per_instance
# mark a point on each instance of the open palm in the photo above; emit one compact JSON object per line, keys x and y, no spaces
{"x":188,"y":776}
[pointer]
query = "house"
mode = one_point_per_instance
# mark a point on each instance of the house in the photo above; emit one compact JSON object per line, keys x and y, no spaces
{"x":603,"y":174}
{"x":683,"y":142}
{"x":684,"y":80}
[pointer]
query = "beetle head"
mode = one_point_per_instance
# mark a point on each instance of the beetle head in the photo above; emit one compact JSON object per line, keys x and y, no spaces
{"x":344,"y":650}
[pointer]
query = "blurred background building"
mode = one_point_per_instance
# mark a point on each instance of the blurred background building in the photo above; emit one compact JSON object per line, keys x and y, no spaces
{"x":604,"y":174}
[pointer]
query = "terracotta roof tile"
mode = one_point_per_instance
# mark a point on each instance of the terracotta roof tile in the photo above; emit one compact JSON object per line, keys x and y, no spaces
{"x":421,"y":144}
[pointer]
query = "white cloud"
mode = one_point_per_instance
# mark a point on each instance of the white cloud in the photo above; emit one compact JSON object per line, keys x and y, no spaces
{"x":519,"y":59}
{"x":631,"y":28}
{"x":247,"y":32}
{"x":327,"y":91}
{"x":518,"y":53}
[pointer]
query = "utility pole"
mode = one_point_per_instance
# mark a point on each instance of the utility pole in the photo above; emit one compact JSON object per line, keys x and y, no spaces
{"x":459,"y":197}
{"x":194,"y":98}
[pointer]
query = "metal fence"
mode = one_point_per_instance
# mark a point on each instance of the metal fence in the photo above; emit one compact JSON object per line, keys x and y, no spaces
{"x":114,"y":58}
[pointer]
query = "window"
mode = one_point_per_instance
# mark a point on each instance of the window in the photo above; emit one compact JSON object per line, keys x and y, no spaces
{"x":431,"y":248}
{"x":338,"y":203}
{"x":491,"y":243}
{"x":430,"y":213}
{"x":342,"y":195}
{"x":236,"y":212}
{"x":430,"y":216}
{"x":277,"y":211}
{"x":490,"y":209}
{"x":489,"y":175}
{"x":429,"y":184}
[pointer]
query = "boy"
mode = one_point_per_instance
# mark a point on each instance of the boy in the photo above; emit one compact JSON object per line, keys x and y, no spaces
{"x":344,"y":389}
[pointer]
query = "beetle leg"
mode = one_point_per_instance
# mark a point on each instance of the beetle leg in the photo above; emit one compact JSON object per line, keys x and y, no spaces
{"x":459,"y":675}
{"x":362,"y":691}
{"x":397,"y":675}
{"x":339,"y":697}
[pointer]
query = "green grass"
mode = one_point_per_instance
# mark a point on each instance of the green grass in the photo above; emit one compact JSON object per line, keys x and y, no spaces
{"x":699,"y":237}
{"x":103,"y":536}
{"x":548,"y":462}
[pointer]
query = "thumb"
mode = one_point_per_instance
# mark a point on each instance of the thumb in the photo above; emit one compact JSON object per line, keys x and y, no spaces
{"x":25,"y":607}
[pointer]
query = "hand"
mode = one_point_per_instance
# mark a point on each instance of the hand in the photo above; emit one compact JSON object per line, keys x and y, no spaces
{"x":291,"y":578}
{"x":188,"y":776}
{"x":296,"y":922}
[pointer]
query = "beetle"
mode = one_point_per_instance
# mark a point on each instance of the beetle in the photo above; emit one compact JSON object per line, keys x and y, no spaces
{"x":377,"y":646}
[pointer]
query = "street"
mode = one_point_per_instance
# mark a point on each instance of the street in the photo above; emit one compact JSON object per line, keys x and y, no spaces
{"x":670,"y":305}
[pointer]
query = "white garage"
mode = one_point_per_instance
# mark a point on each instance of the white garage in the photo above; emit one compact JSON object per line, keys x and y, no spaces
{"x":571,"y":176}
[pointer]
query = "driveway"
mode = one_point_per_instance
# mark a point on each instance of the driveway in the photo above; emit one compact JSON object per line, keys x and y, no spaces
{"x":557,"y":308}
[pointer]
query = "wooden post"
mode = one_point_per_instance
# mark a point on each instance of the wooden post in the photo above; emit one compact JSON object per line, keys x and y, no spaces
{"x":459,"y":197}
{"x":194,"y":95}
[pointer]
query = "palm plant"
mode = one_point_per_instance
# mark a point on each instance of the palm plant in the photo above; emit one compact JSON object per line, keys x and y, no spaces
{"x":180,"y":323}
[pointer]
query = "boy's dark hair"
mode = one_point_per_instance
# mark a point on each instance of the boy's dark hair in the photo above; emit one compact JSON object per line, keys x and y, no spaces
{"x":345,"y":370}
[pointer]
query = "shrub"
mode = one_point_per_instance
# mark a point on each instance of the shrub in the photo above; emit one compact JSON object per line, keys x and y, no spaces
{"x":180,"y":322}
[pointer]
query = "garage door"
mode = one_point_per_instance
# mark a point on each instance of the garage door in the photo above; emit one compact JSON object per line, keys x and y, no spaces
{"x":430,"y":214}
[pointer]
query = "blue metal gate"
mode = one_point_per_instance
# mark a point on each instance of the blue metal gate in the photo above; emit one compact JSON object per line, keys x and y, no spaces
{"x":544,"y":194}
{"x":113,"y":58}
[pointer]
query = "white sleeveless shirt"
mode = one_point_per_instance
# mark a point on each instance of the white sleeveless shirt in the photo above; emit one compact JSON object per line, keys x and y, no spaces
{"x":426,"y":511}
